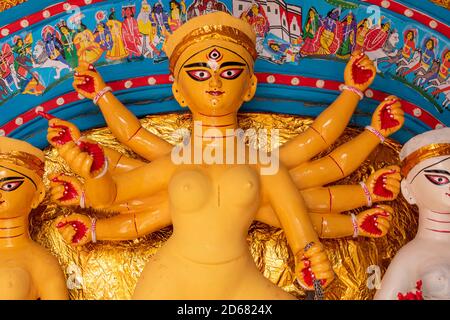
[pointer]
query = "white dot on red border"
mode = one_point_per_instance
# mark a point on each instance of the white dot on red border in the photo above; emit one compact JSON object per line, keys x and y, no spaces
{"x":87,"y":1}
{"x":320,"y":83}
{"x":151,"y":81}
{"x":2,"y":133}
{"x":417,"y":112}
{"x":433,"y":24}
{"x":24,"y":23}
{"x":46,"y":14}
{"x":5,"y":32}
{"x":171,"y":78}
{"x":271,"y":79}
{"x":19,"y":121}
{"x":385,"y":4}
{"x":60,"y":101}
{"x":295,"y":81}
{"x":439,"y":126}
{"x":128,"y":84}
{"x":409,"y":13}
{"x":80,"y":96}
{"x":39,"y":109}
{"x":369,"y":93}
{"x":67,"y":6}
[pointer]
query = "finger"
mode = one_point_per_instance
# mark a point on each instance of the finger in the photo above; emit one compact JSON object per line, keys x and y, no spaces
{"x":384,"y":230}
{"x":328,"y":275}
{"x":316,"y":249}
{"x":318,"y":259}
{"x":324,"y":267}
{"x":86,"y":166}
{"x":79,"y":160}
{"x":59,"y":189}
{"x":66,"y":147}
{"x":71,"y":154}
{"x":391,"y":185}
{"x":394,"y":177}
{"x":68,"y":233}
{"x":383,"y":222}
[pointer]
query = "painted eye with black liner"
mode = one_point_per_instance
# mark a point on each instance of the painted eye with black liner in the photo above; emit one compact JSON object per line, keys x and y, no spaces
{"x":437,"y":179}
{"x":231,"y":74}
{"x":10,"y":185}
{"x":199,"y":75}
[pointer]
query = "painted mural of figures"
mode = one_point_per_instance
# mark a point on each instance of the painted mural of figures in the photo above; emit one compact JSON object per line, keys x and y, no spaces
{"x":177,"y":14}
{"x":130,"y":32}
{"x":118,"y":50}
{"x":428,"y":54}
{"x":348,"y":36}
{"x":257,"y":18}
{"x":160,"y":16}
{"x":22,"y":61}
{"x":376,"y":37}
{"x":67,"y":37}
{"x":201,"y":7}
{"x":361,"y":32}
{"x":145,"y":28}
{"x":445,"y":64}
{"x":388,"y":53}
{"x":409,"y":43}
{"x":53,"y":45}
{"x":6,"y":67}
{"x":310,"y":29}
{"x":87,"y":49}
{"x":35,"y":85}
{"x":42,"y":60}
{"x":330,"y":33}
{"x":102,"y":34}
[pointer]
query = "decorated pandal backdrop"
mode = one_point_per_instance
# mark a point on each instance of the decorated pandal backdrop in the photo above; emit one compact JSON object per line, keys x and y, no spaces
{"x":302,"y":46}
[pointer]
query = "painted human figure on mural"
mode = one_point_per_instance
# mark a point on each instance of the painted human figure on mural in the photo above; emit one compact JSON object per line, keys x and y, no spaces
{"x":87,"y":49}
{"x":53,"y":45}
{"x":22,"y":60}
{"x":361,"y":32}
{"x":376,"y":37}
{"x":201,"y":7}
{"x":309,"y":32}
{"x":118,"y":50}
{"x":103,"y":36}
{"x":6,"y":67}
{"x":428,"y":53}
{"x":145,"y":27}
{"x":160,"y":16}
{"x":445,"y":64}
{"x":67,"y":37}
{"x":329,"y":34}
{"x":130,"y":32}
{"x":409,"y":43}
{"x":348,"y":42}
{"x":257,"y":18}
{"x":177,"y":14}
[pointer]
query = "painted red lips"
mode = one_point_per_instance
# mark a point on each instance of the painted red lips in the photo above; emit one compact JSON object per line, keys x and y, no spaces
{"x":215,"y":93}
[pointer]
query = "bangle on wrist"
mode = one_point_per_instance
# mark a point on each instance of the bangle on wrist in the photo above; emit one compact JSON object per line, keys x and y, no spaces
{"x":93,"y":230}
{"x":366,"y":193}
{"x":376,"y":132}
{"x":101,"y":93}
{"x":355,"y":226}
{"x":354,"y":90}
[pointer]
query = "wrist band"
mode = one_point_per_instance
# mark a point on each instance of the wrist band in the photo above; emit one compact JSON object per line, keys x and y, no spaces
{"x":376,"y":132}
{"x":355,"y":226}
{"x":93,"y":230}
{"x":366,"y":193}
{"x":308,"y":246}
{"x":104,"y":170}
{"x":83,"y":200}
{"x":354,"y":90}
{"x":101,"y":93}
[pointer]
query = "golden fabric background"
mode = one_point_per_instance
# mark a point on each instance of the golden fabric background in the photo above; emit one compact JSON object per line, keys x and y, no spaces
{"x":109,"y":270}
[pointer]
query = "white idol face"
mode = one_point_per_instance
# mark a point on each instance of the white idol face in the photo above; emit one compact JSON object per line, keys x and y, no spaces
{"x":428,"y":185}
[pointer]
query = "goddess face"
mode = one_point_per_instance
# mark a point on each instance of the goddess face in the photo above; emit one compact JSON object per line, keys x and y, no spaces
{"x":18,"y":192}
{"x":214,"y":81}
{"x":428,"y":185}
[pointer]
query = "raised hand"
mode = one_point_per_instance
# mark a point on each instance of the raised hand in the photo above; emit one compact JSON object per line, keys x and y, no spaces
{"x":60,"y":132}
{"x":388,"y":117}
{"x":384,"y":184}
{"x":375,"y":222}
{"x":65,"y":190}
{"x":87,"y":81}
{"x":312,"y":265}
{"x":75,"y":229}
{"x":359,"y":72}
{"x":86,"y":158}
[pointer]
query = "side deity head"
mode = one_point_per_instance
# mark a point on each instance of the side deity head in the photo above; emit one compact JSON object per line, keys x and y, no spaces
{"x":212,"y":59}
{"x":21,"y":174}
{"x":426,"y":170}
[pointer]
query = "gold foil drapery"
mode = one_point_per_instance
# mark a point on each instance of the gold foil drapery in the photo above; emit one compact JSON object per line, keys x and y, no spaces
{"x":109,"y":270}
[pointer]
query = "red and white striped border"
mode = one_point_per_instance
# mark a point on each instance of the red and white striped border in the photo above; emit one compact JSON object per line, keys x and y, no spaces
{"x":53,"y":10}
{"x":270,"y":78}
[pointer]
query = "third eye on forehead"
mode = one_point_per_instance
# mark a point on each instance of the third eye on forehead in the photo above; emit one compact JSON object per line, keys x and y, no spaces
{"x":207,"y":65}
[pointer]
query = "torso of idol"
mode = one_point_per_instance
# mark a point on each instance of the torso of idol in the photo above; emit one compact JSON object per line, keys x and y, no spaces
{"x":431,"y":265}
{"x":16,"y":273}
